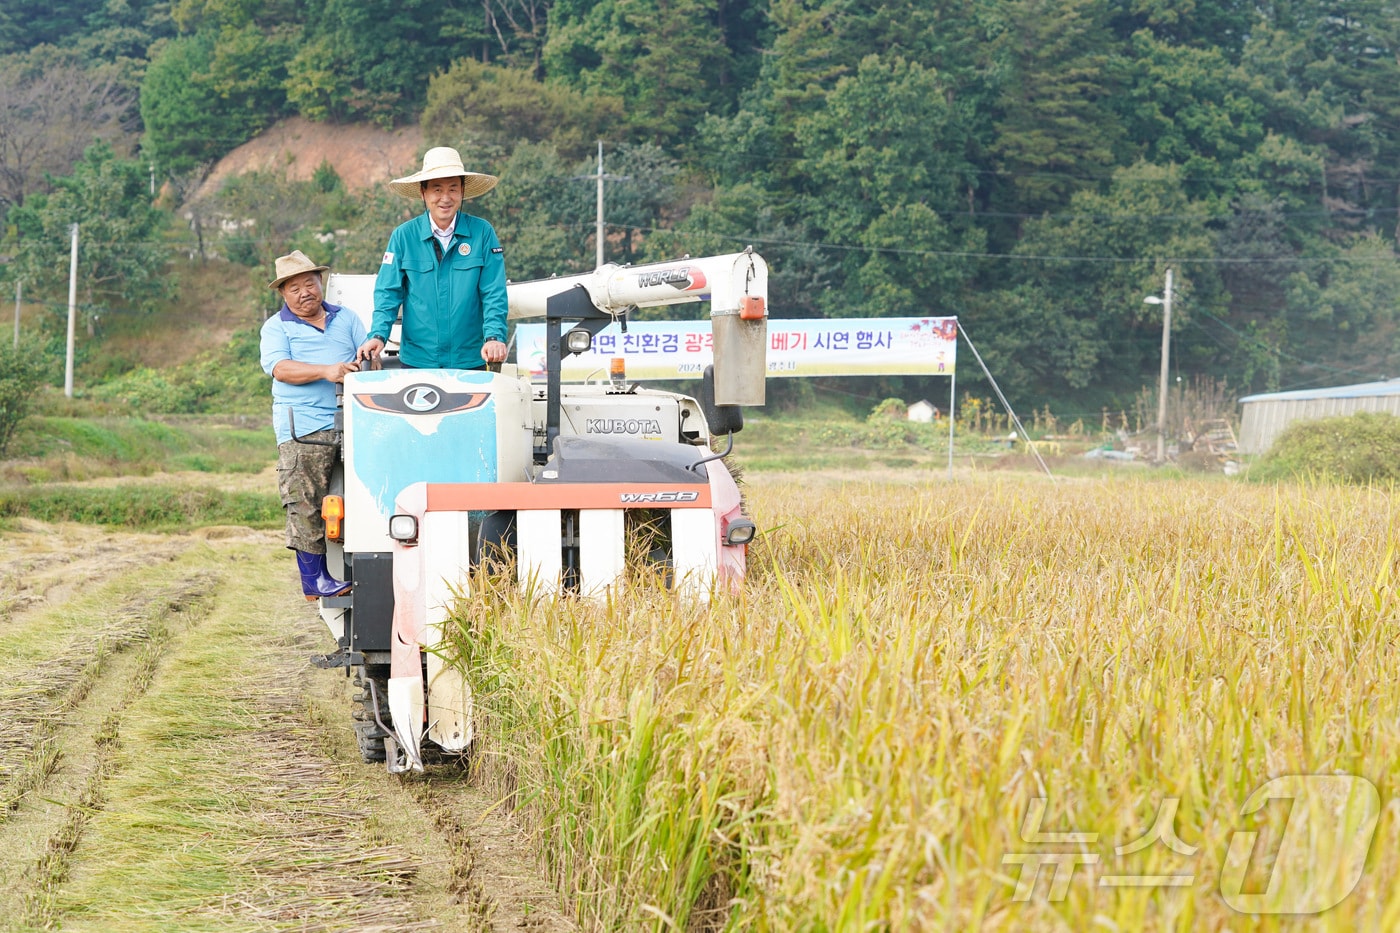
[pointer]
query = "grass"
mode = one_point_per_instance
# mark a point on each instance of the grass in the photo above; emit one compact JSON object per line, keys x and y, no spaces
{"x":53,"y":449}
{"x":855,"y":740}
{"x":54,"y":455}
{"x":144,"y":507}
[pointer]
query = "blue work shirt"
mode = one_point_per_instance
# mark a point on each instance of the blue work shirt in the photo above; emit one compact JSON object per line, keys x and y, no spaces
{"x":287,"y":337}
{"x":452,"y":303}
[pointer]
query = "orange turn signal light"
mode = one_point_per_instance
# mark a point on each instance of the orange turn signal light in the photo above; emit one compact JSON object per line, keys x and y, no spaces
{"x":332,"y":511}
{"x":752,"y":308}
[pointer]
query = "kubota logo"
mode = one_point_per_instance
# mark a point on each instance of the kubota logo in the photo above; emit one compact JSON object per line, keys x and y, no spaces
{"x":670,"y":495}
{"x":422,"y":400}
{"x":621,"y":426}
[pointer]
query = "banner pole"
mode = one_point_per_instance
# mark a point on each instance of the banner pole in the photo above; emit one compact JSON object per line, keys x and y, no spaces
{"x":1030,"y":445}
{"x":952,"y":400}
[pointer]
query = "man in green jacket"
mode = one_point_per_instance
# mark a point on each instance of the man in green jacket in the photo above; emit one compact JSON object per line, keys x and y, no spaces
{"x":446,"y":269}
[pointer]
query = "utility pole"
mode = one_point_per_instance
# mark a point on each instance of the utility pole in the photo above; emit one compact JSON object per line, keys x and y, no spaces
{"x":601,"y":177}
{"x":1166,"y":302}
{"x":72,"y":312}
{"x":600,"y":227}
{"x":19,"y":289}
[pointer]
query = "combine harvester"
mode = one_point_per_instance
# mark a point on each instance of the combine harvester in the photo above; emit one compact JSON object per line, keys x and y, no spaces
{"x":442,"y":469}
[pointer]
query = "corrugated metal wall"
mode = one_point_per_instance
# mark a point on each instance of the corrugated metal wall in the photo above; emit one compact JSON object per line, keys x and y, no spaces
{"x":1265,"y":419}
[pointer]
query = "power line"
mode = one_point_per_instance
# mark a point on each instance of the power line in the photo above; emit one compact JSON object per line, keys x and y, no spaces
{"x":746,"y":238}
{"x":1275,"y":351}
{"x":1028,"y":257}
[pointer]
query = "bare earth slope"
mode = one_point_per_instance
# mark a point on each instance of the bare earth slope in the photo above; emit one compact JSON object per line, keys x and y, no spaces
{"x":170,"y":761}
{"x":363,"y":155}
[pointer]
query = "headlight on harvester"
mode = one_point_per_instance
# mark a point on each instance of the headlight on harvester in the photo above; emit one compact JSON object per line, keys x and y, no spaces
{"x":739,"y":531}
{"x":403,"y":529}
{"x":578,"y":340}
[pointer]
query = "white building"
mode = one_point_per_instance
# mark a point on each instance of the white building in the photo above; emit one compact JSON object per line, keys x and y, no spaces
{"x":923,"y":411}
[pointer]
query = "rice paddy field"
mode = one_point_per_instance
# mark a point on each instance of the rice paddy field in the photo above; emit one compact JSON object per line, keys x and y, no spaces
{"x":987,"y":703}
{"x":996,"y":702}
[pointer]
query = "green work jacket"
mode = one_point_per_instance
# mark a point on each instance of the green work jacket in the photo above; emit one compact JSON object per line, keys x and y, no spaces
{"x":453,"y":301}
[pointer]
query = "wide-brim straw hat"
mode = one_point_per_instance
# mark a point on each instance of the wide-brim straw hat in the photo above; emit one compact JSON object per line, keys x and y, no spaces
{"x":293,"y":264}
{"x":443,"y":162}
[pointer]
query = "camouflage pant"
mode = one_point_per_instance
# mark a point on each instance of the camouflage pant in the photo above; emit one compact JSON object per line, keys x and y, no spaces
{"x":303,"y":479}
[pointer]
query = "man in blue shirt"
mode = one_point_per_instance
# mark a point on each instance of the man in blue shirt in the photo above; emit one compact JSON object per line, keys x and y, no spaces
{"x":307,"y":347}
{"x":446,"y":269}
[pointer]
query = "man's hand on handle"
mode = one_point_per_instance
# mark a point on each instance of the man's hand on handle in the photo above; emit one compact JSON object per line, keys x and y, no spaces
{"x":493,"y":351}
{"x":369,"y":350}
{"x":336,"y":371}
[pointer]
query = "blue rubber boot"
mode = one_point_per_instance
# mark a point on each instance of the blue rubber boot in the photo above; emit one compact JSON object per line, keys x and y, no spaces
{"x":316,"y":580}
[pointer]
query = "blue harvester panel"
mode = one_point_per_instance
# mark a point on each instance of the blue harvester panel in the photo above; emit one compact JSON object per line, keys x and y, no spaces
{"x":421,"y":425}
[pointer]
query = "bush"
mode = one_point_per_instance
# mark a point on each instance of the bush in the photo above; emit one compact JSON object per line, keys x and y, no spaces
{"x":227,"y":380}
{"x":889,"y":409}
{"x":1359,"y":448}
{"x":20,"y":378}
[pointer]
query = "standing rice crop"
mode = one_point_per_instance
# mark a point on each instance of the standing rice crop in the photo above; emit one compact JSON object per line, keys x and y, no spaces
{"x":926,"y":690}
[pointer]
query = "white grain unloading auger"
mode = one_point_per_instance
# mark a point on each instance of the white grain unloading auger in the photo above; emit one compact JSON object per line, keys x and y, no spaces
{"x":444,"y":468}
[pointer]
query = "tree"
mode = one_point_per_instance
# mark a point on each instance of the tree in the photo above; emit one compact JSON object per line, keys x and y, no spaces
{"x":1056,"y":131}
{"x":656,"y":55}
{"x":248,"y":69}
{"x":542,"y":213}
{"x":121,"y":32}
{"x":915,"y":264}
{"x":728,"y":219}
{"x":518,"y":29}
{"x":503,"y":106}
{"x":885,"y":136}
{"x":27,"y":23}
{"x":265,"y":215}
{"x":885,"y":168}
{"x":1222,"y":26}
{"x":51,"y":109}
{"x":1342,"y":311}
{"x":645,"y":202}
{"x":20,"y":378}
{"x":1072,"y":322}
{"x":1189,"y":107}
{"x":188,"y":121}
{"x":1361,"y":42}
{"x":371,"y":59}
{"x":819,"y":42}
{"x":121,"y":259}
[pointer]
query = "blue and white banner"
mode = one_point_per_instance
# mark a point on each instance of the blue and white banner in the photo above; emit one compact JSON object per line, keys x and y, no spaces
{"x":682,"y":349}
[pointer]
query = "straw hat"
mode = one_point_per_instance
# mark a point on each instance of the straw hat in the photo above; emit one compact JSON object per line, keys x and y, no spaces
{"x":293,"y":264}
{"x":443,"y":162}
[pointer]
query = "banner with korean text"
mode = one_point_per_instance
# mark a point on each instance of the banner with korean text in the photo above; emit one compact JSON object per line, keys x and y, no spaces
{"x":682,"y":349}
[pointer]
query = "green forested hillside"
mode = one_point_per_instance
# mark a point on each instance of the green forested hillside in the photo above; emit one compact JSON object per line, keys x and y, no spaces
{"x":1033,"y":166}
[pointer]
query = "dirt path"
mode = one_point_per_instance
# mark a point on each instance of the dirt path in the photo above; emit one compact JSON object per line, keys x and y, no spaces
{"x":169,"y":760}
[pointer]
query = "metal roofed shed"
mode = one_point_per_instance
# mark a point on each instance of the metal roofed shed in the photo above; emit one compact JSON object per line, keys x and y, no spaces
{"x":1265,"y":416}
